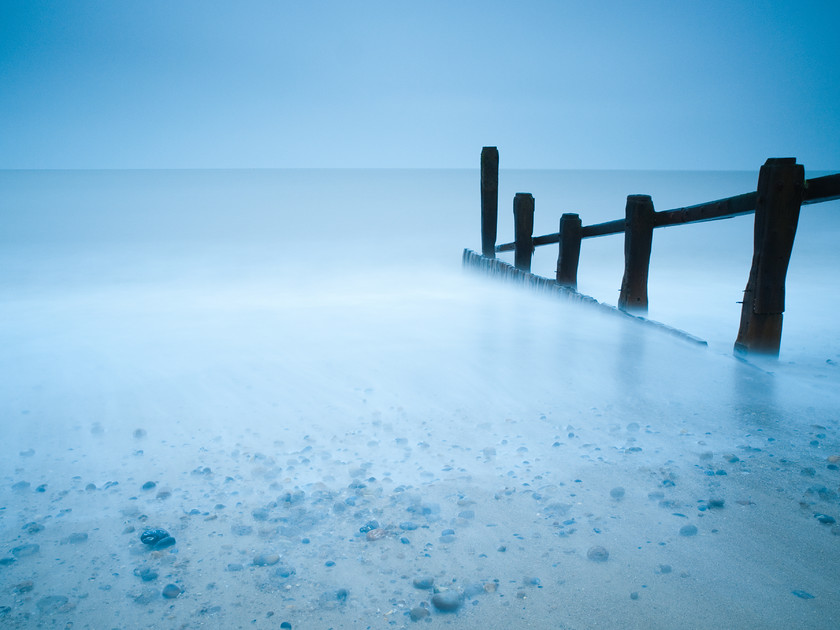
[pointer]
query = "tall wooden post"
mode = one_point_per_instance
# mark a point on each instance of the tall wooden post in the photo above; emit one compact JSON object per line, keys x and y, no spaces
{"x":523,"y":230}
{"x":781,"y":186}
{"x":569,"y":255}
{"x":489,"y":200}
{"x":638,"y":239}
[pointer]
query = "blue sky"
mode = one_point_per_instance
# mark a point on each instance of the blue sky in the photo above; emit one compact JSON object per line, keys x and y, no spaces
{"x":646,"y":84}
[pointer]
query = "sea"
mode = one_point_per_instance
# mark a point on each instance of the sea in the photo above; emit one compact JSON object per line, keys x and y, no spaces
{"x":275,"y":399}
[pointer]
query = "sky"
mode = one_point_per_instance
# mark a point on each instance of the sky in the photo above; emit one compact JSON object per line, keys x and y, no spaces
{"x":713,"y":85}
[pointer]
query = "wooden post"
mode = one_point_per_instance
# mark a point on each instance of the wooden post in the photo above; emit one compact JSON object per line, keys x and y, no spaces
{"x":569,"y":255}
{"x":523,"y":230}
{"x":638,"y":238}
{"x":489,"y":200}
{"x":781,"y":186}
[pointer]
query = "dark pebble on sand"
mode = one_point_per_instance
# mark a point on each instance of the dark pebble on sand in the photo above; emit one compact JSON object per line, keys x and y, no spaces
{"x":164,"y":543}
{"x":75,"y":539}
{"x":146,"y":574}
{"x":266,"y":559}
{"x":825,"y":519}
{"x":617,"y":493}
{"x":26,"y":550}
{"x":424,"y":583}
{"x":803,"y":594}
{"x":417,"y":613}
{"x":149,"y":485}
{"x":285,"y":626}
{"x":52,"y":604}
{"x":598,"y":554}
{"x":716,"y":503}
{"x":171,"y":591}
{"x":235,"y":566}
{"x":408,"y":526}
{"x":447,"y":601}
{"x":447,"y":536}
{"x":688,"y":530}
{"x":153,"y":536}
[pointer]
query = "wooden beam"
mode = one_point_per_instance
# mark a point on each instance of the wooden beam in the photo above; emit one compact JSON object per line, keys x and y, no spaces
{"x":523,"y":230}
{"x":638,"y":239}
{"x":569,"y":254}
{"x":781,"y":187}
{"x":489,"y":200}
{"x":710,"y":211}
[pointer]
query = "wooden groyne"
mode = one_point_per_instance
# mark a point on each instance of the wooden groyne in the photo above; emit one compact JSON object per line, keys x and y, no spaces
{"x":781,"y":191}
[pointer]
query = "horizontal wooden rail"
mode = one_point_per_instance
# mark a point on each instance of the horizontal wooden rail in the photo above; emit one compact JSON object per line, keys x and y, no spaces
{"x":817,"y":190}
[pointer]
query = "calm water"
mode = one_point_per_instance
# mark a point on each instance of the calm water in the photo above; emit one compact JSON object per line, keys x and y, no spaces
{"x":294,"y":360}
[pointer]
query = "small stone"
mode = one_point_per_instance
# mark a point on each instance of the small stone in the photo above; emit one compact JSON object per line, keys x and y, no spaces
{"x":139,"y":433}
{"x":417,"y":613}
{"x":408,"y":526}
{"x":285,"y":626}
{"x":234,"y":566}
{"x":598,"y":554}
{"x":163,"y":543}
{"x":25,"y":551}
{"x":171,"y":591}
{"x":241,"y":530}
{"x":716,"y":504}
{"x":825,"y":519}
{"x":20,"y":486}
{"x":424,"y":583}
{"x":447,"y":601}
{"x":153,"y":536}
{"x":688,"y":530}
{"x":617,"y":493}
{"x":376,"y":534}
{"x":147,"y":574}
{"x":664,"y":568}
{"x":75,"y":539}
{"x":24,"y":587}
{"x":53,"y":604}
{"x":634,"y":595}
{"x":260,"y":514}
{"x":266,"y":559}
{"x":149,"y":485}
{"x":803,"y":594}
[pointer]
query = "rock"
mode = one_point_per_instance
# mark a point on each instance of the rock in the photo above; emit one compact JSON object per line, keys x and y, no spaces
{"x":598,"y":554}
{"x":688,"y":530}
{"x":139,"y":433}
{"x":53,"y":604}
{"x":617,"y":493}
{"x":825,"y":519}
{"x":417,"y":613}
{"x":153,"y":536}
{"x":716,"y":503}
{"x":75,"y":539}
{"x":20,"y":486}
{"x":634,"y":595}
{"x":447,"y":601}
{"x":24,"y":587}
{"x":408,"y":526}
{"x":171,"y":591}
{"x":369,"y":526}
{"x":149,"y":485}
{"x":376,"y":534}
{"x":147,"y":574}
{"x":803,"y":594}
{"x":234,"y":566}
{"x":285,"y":626}
{"x":424,"y":583}
{"x":163,"y":543}
{"x":25,"y":551}
{"x":266,"y":559}
{"x":260,"y":514}
{"x":447,"y":536}
{"x":241,"y":530}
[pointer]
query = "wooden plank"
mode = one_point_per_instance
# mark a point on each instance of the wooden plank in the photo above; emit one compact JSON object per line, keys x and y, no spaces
{"x":489,"y":199}
{"x":821,"y":189}
{"x":638,"y":239}
{"x":523,"y":230}
{"x":709,"y":211}
{"x":781,"y":186}
{"x":569,"y":253}
{"x":602,"y":229}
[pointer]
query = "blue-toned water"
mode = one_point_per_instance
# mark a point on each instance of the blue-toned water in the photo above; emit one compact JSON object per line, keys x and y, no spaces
{"x":292,"y":357}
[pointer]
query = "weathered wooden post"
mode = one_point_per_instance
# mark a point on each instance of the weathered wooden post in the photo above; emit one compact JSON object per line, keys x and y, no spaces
{"x":638,"y":238}
{"x":489,"y":200}
{"x":523,"y":230}
{"x":781,"y":186}
{"x":569,"y":255}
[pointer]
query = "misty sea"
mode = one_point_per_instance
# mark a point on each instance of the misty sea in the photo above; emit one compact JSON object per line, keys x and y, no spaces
{"x":284,"y":381}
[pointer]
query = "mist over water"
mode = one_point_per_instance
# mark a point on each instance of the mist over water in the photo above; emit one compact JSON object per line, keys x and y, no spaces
{"x":293,"y":356}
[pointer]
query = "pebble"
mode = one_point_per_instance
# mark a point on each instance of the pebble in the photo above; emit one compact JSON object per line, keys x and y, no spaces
{"x":598,"y":554}
{"x":716,"y":503}
{"x":447,"y":536}
{"x":424,"y":583}
{"x":285,"y":626}
{"x":417,"y":613}
{"x":825,"y":519}
{"x":147,"y":574}
{"x":266,"y":559}
{"x":617,"y":493}
{"x":24,"y":587}
{"x":75,"y":539}
{"x":447,"y":601}
{"x":20,"y":486}
{"x":241,"y":530}
{"x":153,"y":536}
{"x":163,"y":543}
{"x":53,"y":604}
{"x":171,"y":591}
{"x":376,"y":534}
{"x":25,"y":551}
{"x":688,"y":530}
{"x":408,"y":526}
{"x":803,"y":594}
{"x":634,"y":595}
{"x":149,"y":485}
